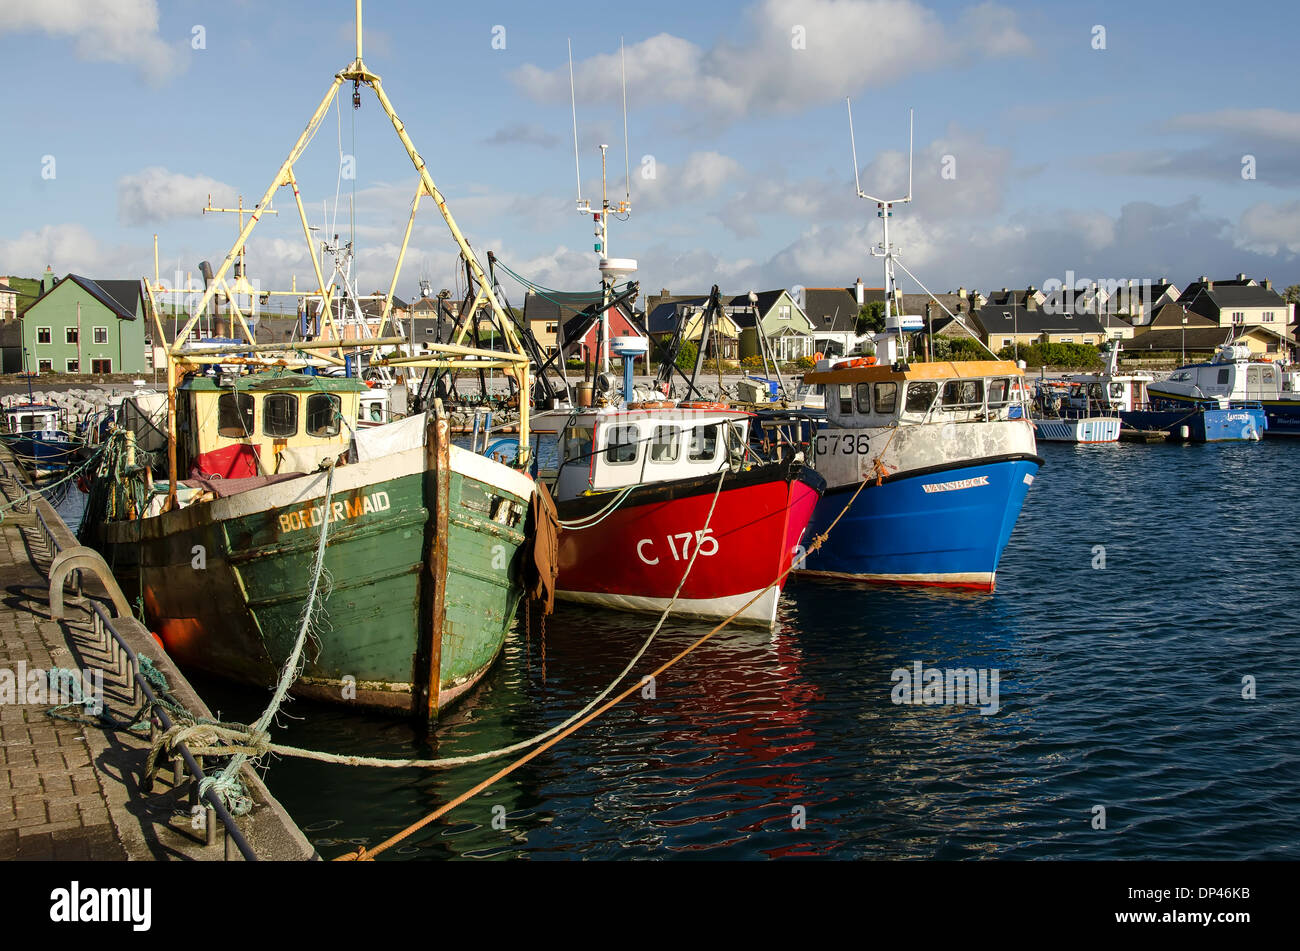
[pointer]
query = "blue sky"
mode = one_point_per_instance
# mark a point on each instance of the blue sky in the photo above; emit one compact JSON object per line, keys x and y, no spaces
{"x":1115,"y":163}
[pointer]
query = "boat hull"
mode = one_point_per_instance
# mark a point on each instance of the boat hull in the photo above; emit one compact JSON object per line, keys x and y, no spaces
{"x":636,"y":556}
{"x":1201,"y":425}
{"x":945,"y":525}
{"x":1087,"y":429}
{"x":224,"y":583}
{"x":44,"y":453}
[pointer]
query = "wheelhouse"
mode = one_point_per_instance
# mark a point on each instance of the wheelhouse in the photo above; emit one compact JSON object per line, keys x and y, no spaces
{"x":868,"y":397}
{"x":264,"y":423}
{"x":33,"y":418}
{"x":607,"y":450}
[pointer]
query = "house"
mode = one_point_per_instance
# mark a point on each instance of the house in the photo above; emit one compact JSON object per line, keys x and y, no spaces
{"x":1242,"y":302}
{"x":833,"y":312}
{"x":1031,"y":298}
{"x":81,"y":325}
{"x":786,"y":327}
{"x":8,"y":301}
{"x":554,"y":320}
{"x":665,"y":312}
{"x":1191,"y":330}
{"x":1012,"y":326}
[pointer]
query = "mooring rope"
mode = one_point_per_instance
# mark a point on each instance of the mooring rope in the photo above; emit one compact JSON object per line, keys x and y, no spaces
{"x":362,"y":854}
{"x":207,"y":738}
{"x":451,"y":761}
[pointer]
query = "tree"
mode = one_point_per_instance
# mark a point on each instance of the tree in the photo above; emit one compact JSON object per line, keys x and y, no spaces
{"x":1292,"y":294}
{"x":871,"y":318}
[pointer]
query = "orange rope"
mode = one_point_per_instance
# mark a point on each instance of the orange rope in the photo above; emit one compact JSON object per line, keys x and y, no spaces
{"x":362,"y":854}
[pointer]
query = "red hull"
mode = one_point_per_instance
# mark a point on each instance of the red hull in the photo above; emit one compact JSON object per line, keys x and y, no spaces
{"x":634,"y":558}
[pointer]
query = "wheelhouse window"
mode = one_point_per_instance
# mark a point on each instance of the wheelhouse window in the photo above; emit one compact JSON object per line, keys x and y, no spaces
{"x":280,"y":415}
{"x":920,"y":397}
{"x":621,"y":445}
{"x":323,"y":417}
{"x":235,"y":415}
{"x":1000,"y":392}
{"x":864,"y":397}
{"x":1223,"y":376}
{"x":577,"y":445}
{"x":846,"y":399}
{"x":666,"y":446}
{"x":963,"y":393}
{"x":704,"y":442}
{"x":886,"y":398}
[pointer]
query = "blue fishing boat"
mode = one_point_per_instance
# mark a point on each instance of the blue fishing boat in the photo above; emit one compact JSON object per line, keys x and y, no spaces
{"x":932,"y":459}
{"x":1234,"y":396}
{"x":947,"y":452}
{"x":34,"y":432}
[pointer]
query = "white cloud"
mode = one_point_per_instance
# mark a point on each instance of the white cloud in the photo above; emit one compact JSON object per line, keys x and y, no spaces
{"x":69,"y":248}
{"x":793,"y":54}
{"x":1270,"y":228}
{"x":155,"y":194}
{"x":1274,"y":124}
{"x":111,"y":31}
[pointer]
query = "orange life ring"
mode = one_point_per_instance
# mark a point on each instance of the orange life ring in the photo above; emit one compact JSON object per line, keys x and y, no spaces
{"x":860,"y":362}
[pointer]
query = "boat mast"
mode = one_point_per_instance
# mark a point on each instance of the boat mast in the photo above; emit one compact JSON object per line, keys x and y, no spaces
{"x":884,"y":211}
{"x":609,"y":272}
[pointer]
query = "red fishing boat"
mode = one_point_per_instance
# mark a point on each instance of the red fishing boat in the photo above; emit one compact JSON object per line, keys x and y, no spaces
{"x":641,"y":491}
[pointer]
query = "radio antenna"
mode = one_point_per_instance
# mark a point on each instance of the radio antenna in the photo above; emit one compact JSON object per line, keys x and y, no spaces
{"x":573,"y":103}
{"x":627,"y":160}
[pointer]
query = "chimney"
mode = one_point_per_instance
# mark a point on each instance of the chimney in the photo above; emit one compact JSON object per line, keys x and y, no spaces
{"x":48,"y":280}
{"x":1268,"y":285}
{"x":1241,"y":277}
{"x":862,"y":294}
{"x":961,"y":292}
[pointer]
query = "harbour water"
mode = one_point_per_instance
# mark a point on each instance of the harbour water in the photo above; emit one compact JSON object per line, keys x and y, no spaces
{"x":1142,"y":586}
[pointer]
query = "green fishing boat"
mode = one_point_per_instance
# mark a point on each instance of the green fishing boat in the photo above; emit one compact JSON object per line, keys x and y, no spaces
{"x":423,"y":544}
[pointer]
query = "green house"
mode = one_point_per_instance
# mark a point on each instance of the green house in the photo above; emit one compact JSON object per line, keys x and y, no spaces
{"x":80,"y":325}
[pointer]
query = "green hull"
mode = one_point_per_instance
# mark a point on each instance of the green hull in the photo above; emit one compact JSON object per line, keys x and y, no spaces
{"x":238,"y":615}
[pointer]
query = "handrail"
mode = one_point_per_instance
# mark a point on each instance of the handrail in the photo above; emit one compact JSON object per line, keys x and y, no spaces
{"x":63,"y":556}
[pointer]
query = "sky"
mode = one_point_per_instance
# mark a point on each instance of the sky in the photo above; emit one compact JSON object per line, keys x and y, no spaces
{"x":1110,"y":141}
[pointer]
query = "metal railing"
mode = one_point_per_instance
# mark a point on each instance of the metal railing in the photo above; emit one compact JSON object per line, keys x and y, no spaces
{"x":119,"y":651}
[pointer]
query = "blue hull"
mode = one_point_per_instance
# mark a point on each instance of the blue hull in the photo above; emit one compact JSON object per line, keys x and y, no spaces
{"x":44,"y":453}
{"x":947,"y":527}
{"x":1203,"y":425}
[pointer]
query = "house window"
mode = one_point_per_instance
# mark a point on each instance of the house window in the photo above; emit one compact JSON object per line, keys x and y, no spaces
{"x":100,"y":334}
{"x":428,"y":331}
{"x":234,"y":415}
{"x":1067,"y":340}
{"x":1268,"y":316}
{"x":70,"y":334}
{"x":102,"y":365}
{"x":44,"y":335}
{"x":45,"y":366}
{"x":73,"y":366}
{"x":1007,"y":341}
{"x":323,"y":414}
{"x":785,"y":312}
{"x":552,"y":328}
{"x":280,"y":415}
